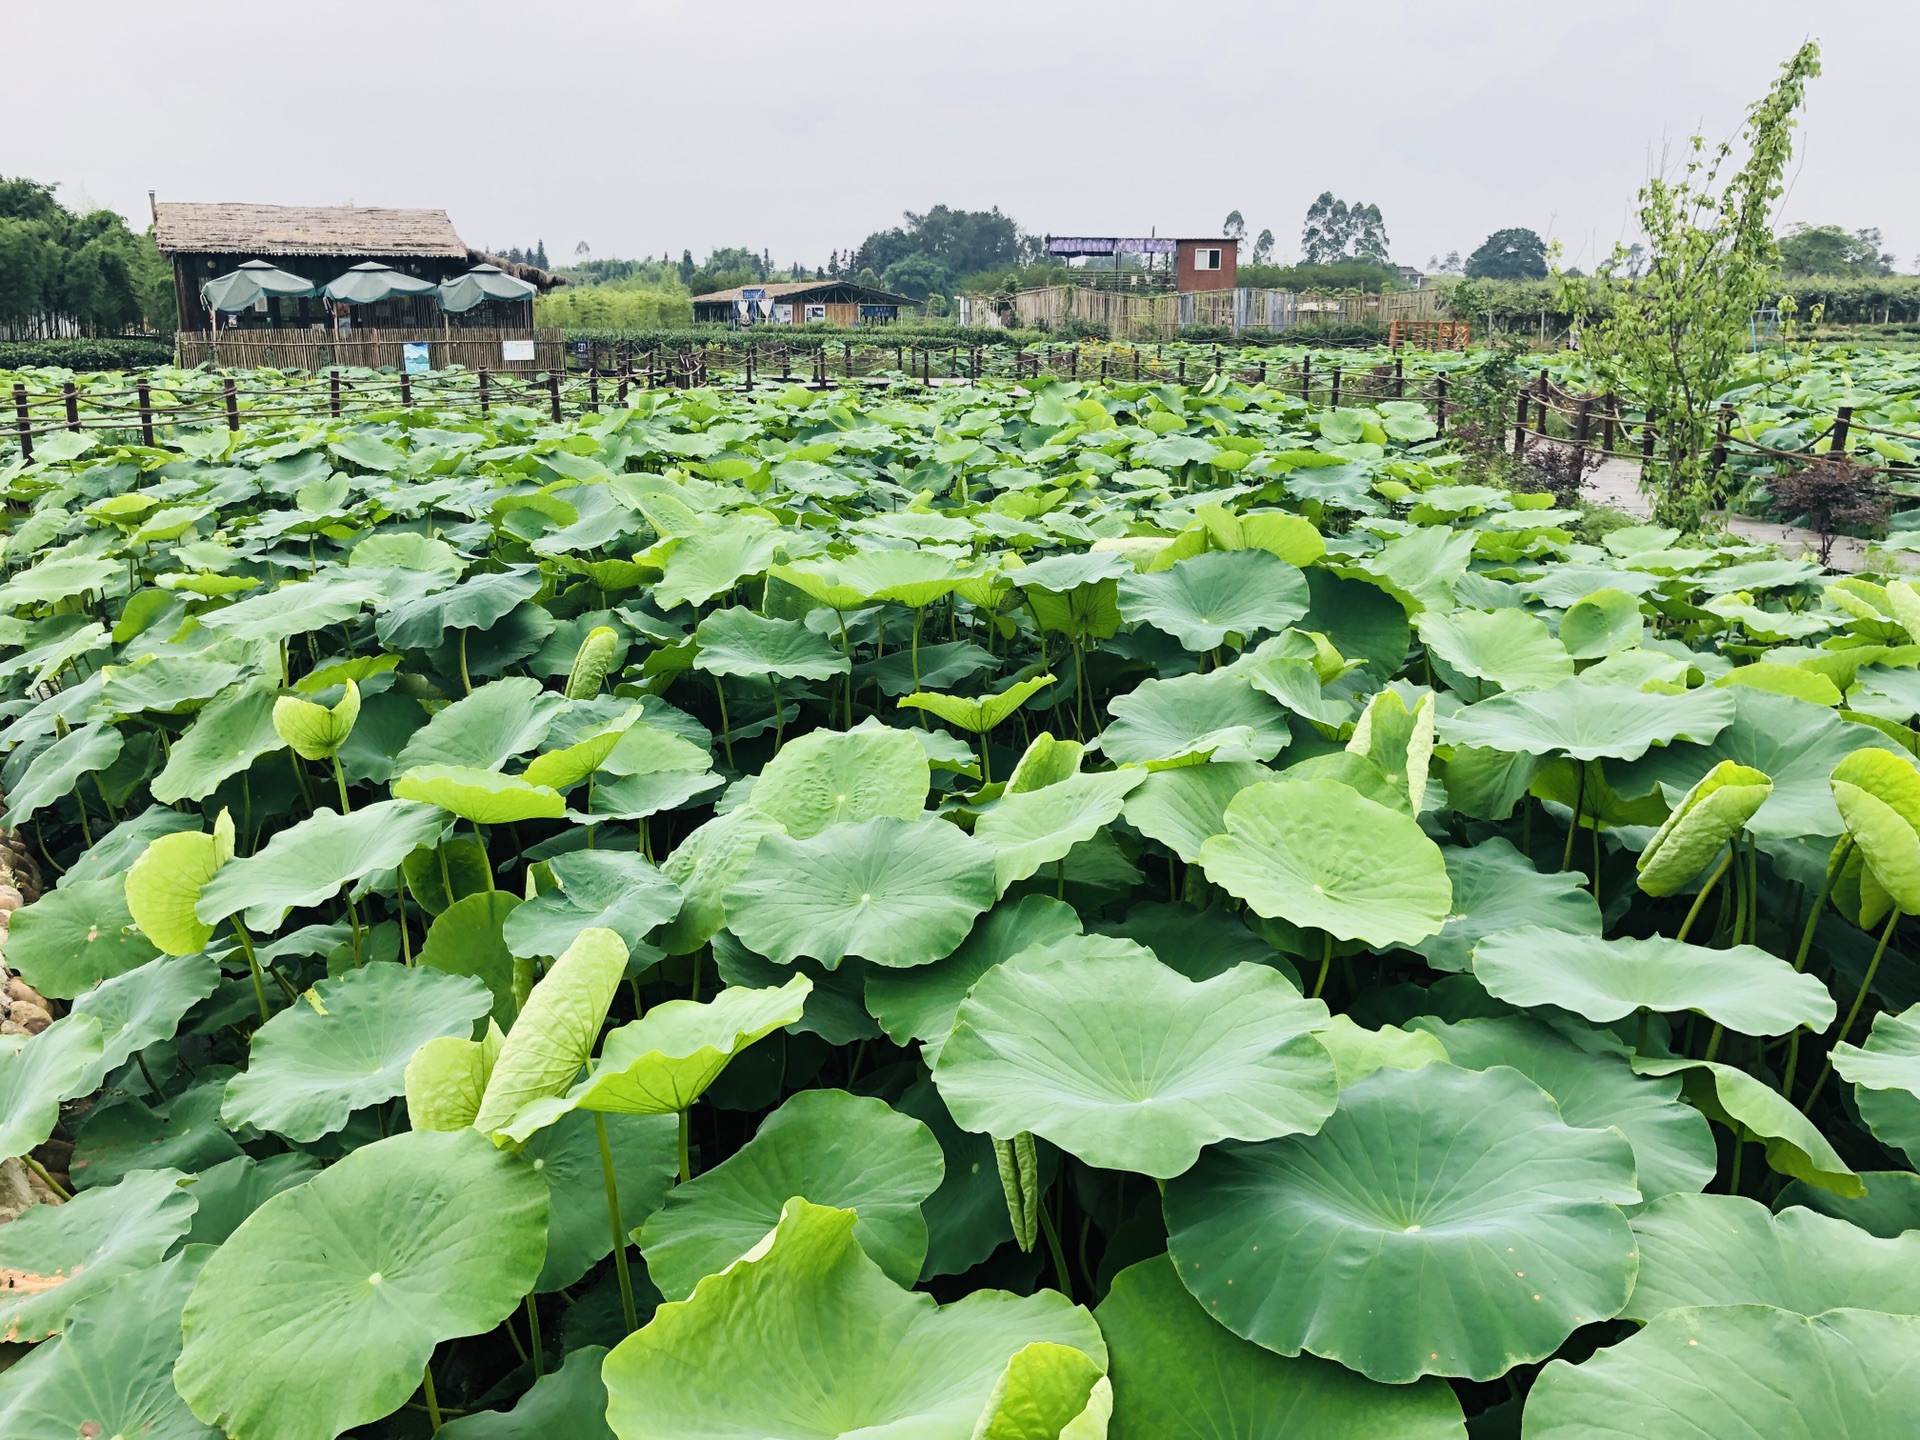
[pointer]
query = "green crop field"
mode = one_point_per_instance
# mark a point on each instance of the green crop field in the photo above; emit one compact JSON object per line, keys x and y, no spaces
{"x":1048,"y":910}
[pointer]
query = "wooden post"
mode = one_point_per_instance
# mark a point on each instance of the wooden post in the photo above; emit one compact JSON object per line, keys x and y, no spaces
{"x":593,"y":392}
{"x":1440,"y":399}
{"x":1583,"y":421}
{"x":553,"y":393}
{"x":1136,"y":362}
{"x":145,"y":393}
{"x":1073,"y":363}
{"x":1647,"y":430}
{"x":333,"y":392}
{"x":1399,"y":378}
{"x":1842,"y":423}
{"x":71,"y":394}
{"x":1306,"y":376}
{"x":1520,"y":424}
{"x":626,"y":378}
{"x":846,"y":357}
{"x":406,"y":390}
{"x":1540,"y":405}
{"x":1333,"y":392}
{"x":1183,"y":369}
{"x":1263,"y":372}
{"x":485,"y":405}
{"x":749,"y":385}
{"x":233,"y":405}
{"x":1609,"y":418}
{"x":21,"y":421}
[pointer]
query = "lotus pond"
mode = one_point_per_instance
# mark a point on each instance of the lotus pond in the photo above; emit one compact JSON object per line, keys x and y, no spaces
{"x":1110,"y":911}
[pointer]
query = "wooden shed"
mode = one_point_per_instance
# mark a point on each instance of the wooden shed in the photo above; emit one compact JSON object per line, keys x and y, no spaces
{"x":801,"y":302}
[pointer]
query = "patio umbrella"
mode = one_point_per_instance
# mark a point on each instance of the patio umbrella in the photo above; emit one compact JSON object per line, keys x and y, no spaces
{"x":482,"y":283}
{"x":371,"y":281}
{"x":253,"y":281}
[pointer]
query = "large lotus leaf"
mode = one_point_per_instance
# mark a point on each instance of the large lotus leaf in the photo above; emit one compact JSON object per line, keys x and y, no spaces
{"x":1589,"y":722}
{"x":447,"y":1078}
{"x":1048,"y":1392}
{"x":635,"y":797}
{"x":664,"y":1061}
{"x":1796,"y":744}
{"x":1361,"y":620}
{"x":294,"y":609}
{"x":832,"y":778}
{"x":306,"y":864}
{"x":72,"y":938}
{"x":1507,"y":650}
{"x":645,"y":1153}
{"x":55,"y":1257}
{"x":223,"y":740}
{"x":1745,"y":1370}
{"x":1885,"y":1072}
{"x":705,"y":866}
{"x":1744,"y":988}
{"x":111,"y":1371}
{"x":465,"y":939}
{"x":705,"y":564}
{"x":896,"y":892}
{"x":143,"y":1006}
{"x":345,"y":1045}
{"x":571,"y":1402}
{"x":1206,"y":597}
{"x":1295,"y":683}
{"x":485,"y":729}
{"x":53,"y":773}
{"x":60,"y":578}
{"x":1715,"y":810}
{"x":1127,"y":1064}
{"x":1037,"y":827}
{"x":1878,"y":796}
{"x":1317,"y":853}
{"x":1889,"y":1208}
{"x":409,"y":1241}
{"x":485,"y":797}
{"x":978,"y":716}
{"x":805,"y":1338}
{"x":1219,"y":714}
{"x":1459,"y":1203}
{"x":1602,"y":623}
{"x":920,"y":1003}
{"x":604,"y":889}
{"x":478,"y":602}
{"x":1177,"y":1372}
{"x":1727,"y":1250}
{"x":847,"y":1151}
{"x":1358,"y":1052}
{"x":1186,"y":806}
{"x":1496,"y":888}
{"x":555,"y":1033}
{"x":739,"y":642}
{"x":184,"y":1132}
{"x":1756,"y":1111}
{"x":163,"y":885}
{"x":37,"y":1072}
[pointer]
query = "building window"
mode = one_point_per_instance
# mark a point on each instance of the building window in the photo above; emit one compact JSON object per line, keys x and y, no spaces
{"x":1206,"y":259}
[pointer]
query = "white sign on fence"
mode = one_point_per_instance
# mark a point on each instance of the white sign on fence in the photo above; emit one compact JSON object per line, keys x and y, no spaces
{"x":416,"y":357}
{"x":511,"y":350}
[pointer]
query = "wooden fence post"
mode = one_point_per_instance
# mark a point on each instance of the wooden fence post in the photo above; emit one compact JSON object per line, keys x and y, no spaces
{"x":593,"y":392}
{"x":145,"y":393}
{"x":333,"y":392}
{"x":21,"y":421}
{"x":485,"y":404}
{"x":1583,"y":421}
{"x":406,"y":390}
{"x":1306,"y":376}
{"x":233,"y":405}
{"x":553,"y":393}
{"x":1842,"y":423}
{"x":626,"y":379}
{"x":1609,"y":419}
{"x":1183,"y":369}
{"x":1540,"y":406}
{"x":749,"y":385}
{"x":1520,"y":424}
{"x":1440,"y":399}
{"x":71,"y":394}
{"x":1399,"y":378}
{"x":1333,"y":394}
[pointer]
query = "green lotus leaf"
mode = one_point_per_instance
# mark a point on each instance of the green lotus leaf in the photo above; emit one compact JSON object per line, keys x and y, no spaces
{"x":37,"y":1072}
{"x":566,"y":767}
{"x":1878,"y":796}
{"x":59,"y":578}
{"x":1507,"y":650}
{"x":1605,"y":622}
{"x":466,"y":939}
{"x":52,"y":774}
{"x":308,"y":863}
{"x":72,"y":938}
{"x":407,"y":1242}
{"x":58,"y":1257}
{"x":739,"y":642}
{"x":896,"y":892}
{"x":1178,"y":1372}
{"x":635,"y":797}
{"x":704,"y":565}
{"x":447,"y":1078}
{"x":1495,"y":889}
{"x":1754,"y":1110}
{"x":479,"y":602}
{"x":1589,"y":722}
{"x":1359,"y":1052}
{"x":657,"y":749}
{"x":1219,"y":714}
{"x":914,"y":578}
{"x":920,"y":1003}
{"x":705,"y":865}
{"x":1292,"y":538}
{"x":1738,"y":1370}
{"x":485,"y":797}
{"x":1206,"y":597}
{"x":294,"y":609}
{"x":315,"y":1063}
{"x":1596,"y":1089}
{"x":1127,"y":1064}
{"x":436,"y":876}
{"x":1709,"y":815}
{"x":316,"y":732}
{"x":1889,"y":1208}
{"x":570,"y":1402}
{"x":1296,"y":684}
{"x":555,"y":1033}
{"x":111,"y":1372}
{"x":805,"y":1338}
{"x":184,"y":1132}
{"x":164,"y":883}
{"x":1743,"y":988}
{"x":484,"y":730}
{"x":984,"y":714}
{"x":1033,"y":828}
{"x":847,"y":1151}
{"x":1048,"y":1392}
{"x":833,"y":778}
{"x":141,"y":1007}
{"x":224,"y":739}
{"x":646,"y":1160}
{"x":604,"y":889}
{"x":1316,"y":853}
{"x":1487,"y":784}
{"x":664,"y":1061}
{"x":235,"y":1188}
{"x":1186,"y":806}
{"x":1398,"y":740}
{"x":1398,"y":1193}
{"x":1885,"y":1073}
{"x":169,"y":684}
{"x":1727,"y":1250}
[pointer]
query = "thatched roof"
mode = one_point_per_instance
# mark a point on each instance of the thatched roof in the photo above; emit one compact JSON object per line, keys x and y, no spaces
{"x":532,"y":274}
{"x":798,"y":289}
{"x":181,"y":227}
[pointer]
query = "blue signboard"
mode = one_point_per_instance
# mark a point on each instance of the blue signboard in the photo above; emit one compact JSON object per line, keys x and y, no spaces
{"x":416,"y":357}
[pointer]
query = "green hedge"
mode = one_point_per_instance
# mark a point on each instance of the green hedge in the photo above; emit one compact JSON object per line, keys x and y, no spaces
{"x":110,"y":354}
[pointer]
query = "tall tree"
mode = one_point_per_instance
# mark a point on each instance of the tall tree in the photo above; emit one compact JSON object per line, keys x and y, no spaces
{"x":1263,"y":248}
{"x":1516,"y":253}
{"x":966,"y":242}
{"x":1367,"y":234}
{"x":1324,"y":236}
{"x":1233,"y":227}
{"x":1829,"y":250}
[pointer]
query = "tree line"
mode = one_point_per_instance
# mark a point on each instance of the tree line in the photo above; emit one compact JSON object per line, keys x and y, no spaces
{"x":65,"y":269}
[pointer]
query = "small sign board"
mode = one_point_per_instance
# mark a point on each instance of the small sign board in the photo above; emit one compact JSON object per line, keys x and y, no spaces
{"x":512,"y":350}
{"x":583,"y":353}
{"x":752,"y":294}
{"x":416,"y":357}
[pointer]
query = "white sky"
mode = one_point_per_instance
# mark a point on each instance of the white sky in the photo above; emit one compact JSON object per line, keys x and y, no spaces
{"x":651,"y":127}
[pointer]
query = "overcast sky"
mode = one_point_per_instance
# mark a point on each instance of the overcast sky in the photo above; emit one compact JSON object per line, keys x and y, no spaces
{"x":651,"y":126}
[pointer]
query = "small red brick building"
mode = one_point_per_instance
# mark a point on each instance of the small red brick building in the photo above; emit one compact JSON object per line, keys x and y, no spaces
{"x":1206,"y":264}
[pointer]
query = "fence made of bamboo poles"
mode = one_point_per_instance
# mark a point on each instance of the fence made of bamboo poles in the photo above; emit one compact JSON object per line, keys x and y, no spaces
{"x":475,"y":348}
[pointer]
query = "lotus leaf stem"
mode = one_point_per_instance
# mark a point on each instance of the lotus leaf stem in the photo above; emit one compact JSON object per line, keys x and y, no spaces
{"x":253,"y":964}
{"x":1059,"y":1256}
{"x":613,"y":1217}
{"x":1693,"y":912}
{"x":686,"y":1153}
{"x":47,"y":1180}
{"x":1326,"y":963}
{"x":534,"y":1347}
{"x":1834,"y":866}
{"x":1853,"y":1011}
{"x":1573,"y":821}
{"x":433,"y":1400}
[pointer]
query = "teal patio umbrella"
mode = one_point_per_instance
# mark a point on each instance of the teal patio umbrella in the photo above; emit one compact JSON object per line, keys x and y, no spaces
{"x":480,"y":284}
{"x":371,"y":281}
{"x":255,"y":280}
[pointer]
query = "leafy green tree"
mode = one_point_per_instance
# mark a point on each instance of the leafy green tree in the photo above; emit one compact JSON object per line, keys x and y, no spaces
{"x":87,"y":268}
{"x":966,"y":242}
{"x":1512,"y":254}
{"x":1368,"y":234}
{"x":918,"y":276}
{"x":1263,"y":248}
{"x":1234,"y":227}
{"x":1323,"y":238}
{"x":1829,"y":250}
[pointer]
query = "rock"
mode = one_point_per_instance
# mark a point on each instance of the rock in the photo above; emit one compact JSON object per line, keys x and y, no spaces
{"x":13,"y":1027}
{"x":10,"y":898}
{"x":33,"y":1018}
{"x":18,"y":989}
{"x":21,"y":1188}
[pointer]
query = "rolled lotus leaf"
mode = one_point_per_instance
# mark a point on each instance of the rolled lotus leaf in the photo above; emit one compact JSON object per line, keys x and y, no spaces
{"x":315,"y":731}
{"x":1879,"y":798}
{"x":591,"y":662}
{"x":1709,"y":815}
